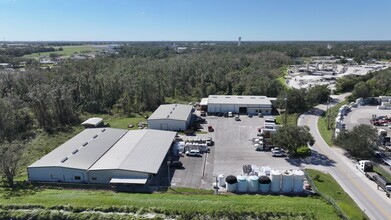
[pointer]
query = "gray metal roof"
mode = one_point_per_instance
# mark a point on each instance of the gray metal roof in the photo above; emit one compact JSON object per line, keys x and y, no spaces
{"x":244,"y":100}
{"x":138,"y":150}
{"x":172,"y":111}
{"x":72,"y":154}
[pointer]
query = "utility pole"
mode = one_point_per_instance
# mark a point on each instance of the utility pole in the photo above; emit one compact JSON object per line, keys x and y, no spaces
{"x":285,"y":112}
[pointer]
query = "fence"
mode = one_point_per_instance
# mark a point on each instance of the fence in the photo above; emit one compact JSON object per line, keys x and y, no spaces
{"x":326,"y":197}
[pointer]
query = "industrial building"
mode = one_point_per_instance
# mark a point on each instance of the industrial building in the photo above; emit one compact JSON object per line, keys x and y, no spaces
{"x":93,"y":123}
{"x":171,"y":117}
{"x":239,"y":104}
{"x":105,"y":156}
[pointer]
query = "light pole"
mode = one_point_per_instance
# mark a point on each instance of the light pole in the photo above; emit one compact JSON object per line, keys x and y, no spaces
{"x":328,"y":114}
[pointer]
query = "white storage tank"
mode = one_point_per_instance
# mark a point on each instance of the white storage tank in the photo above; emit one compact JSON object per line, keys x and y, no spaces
{"x":221,"y":180}
{"x":231,"y":183}
{"x":264,"y":183}
{"x":287,"y":181}
{"x":253,"y":182}
{"x":298,"y":178}
{"x":242,"y":183}
{"x":275,"y":177}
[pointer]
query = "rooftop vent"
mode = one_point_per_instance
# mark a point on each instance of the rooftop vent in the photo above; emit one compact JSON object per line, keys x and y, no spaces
{"x":104,"y":129}
{"x":227,"y":97}
{"x":214,"y":97}
{"x":95,"y":136}
{"x":75,"y":151}
{"x":85,"y":143}
{"x":240,"y":97}
{"x":64,"y":159}
{"x":252,"y":97}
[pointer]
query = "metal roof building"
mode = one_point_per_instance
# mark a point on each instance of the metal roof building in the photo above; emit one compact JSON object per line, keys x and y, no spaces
{"x":239,"y":104}
{"x":172,"y":117}
{"x":93,"y":122}
{"x":105,"y":155}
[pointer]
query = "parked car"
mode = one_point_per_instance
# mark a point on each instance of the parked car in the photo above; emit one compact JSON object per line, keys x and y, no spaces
{"x":176,"y":164}
{"x":210,"y":128}
{"x":278,"y":152}
{"x":250,"y":115}
{"x":220,"y":114}
{"x":209,"y":141}
{"x":237,"y":118}
{"x":230,"y":114}
{"x":193,"y":153}
{"x":260,"y":115}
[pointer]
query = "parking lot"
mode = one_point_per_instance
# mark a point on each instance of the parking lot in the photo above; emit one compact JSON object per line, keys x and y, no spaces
{"x":233,"y":148}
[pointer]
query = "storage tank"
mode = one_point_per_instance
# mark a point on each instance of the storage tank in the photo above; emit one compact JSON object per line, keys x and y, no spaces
{"x":287,"y":181}
{"x":242,"y":183}
{"x":231,"y":183}
{"x":264,"y":183}
{"x":298,"y":178}
{"x":253,"y":182}
{"x":221,"y":180}
{"x":275,"y":177}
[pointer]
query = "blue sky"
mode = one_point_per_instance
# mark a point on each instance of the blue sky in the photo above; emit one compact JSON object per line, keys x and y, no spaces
{"x":194,"y":20}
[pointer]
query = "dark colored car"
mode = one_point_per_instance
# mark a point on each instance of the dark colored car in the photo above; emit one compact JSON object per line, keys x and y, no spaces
{"x":176,"y":164}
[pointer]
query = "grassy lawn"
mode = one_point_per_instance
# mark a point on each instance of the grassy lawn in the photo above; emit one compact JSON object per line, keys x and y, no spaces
{"x":183,"y":204}
{"x":281,"y":79}
{"x":322,"y":123}
{"x":328,"y":186}
{"x":380,"y":170}
{"x":290,"y":120}
{"x":67,"y":51}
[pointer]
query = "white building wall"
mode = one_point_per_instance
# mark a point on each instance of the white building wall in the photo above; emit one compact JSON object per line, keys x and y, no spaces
{"x":104,"y":176}
{"x":253,"y":109}
{"x":57,"y":174}
{"x":167,"y":124}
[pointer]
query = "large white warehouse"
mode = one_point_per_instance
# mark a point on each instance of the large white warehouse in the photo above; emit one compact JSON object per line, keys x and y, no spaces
{"x":104,"y":156}
{"x":239,"y":104}
{"x":172,"y":117}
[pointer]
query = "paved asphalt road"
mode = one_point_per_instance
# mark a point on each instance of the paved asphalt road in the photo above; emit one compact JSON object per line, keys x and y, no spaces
{"x":363,"y":191}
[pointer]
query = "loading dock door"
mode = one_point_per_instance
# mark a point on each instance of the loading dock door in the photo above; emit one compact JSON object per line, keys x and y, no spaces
{"x":242,"y":110}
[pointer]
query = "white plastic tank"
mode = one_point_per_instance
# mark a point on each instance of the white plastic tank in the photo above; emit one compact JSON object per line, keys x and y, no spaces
{"x":242,"y":183}
{"x":287,"y":181}
{"x":221,"y":180}
{"x":253,"y":182}
{"x":275,"y":177}
{"x":231,"y":183}
{"x":298,"y":178}
{"x":264,"y":183}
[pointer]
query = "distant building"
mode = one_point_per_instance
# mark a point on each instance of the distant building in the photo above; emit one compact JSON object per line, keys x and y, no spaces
{"x":171,"y":117}
{"x":239,"y":104}
{"x":239,"y":41}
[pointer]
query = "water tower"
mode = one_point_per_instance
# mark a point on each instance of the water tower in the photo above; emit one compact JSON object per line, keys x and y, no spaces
{"x":239,"y":41}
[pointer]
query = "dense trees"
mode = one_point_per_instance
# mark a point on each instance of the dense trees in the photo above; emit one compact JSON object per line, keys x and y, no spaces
{"x":300,"y":100}
{"x":10,"y":159}
{"x":360,"y":142}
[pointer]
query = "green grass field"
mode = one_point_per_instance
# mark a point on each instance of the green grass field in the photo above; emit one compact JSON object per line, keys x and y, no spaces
{"x":323,"y":120}
{"x":290,"y":120}
{"x":328,"y":186}
{"x":67,"y":51}
{"x":185,"y":205}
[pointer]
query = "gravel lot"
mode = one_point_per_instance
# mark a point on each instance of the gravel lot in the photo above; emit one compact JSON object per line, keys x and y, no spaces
{"x":363,"y":115}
